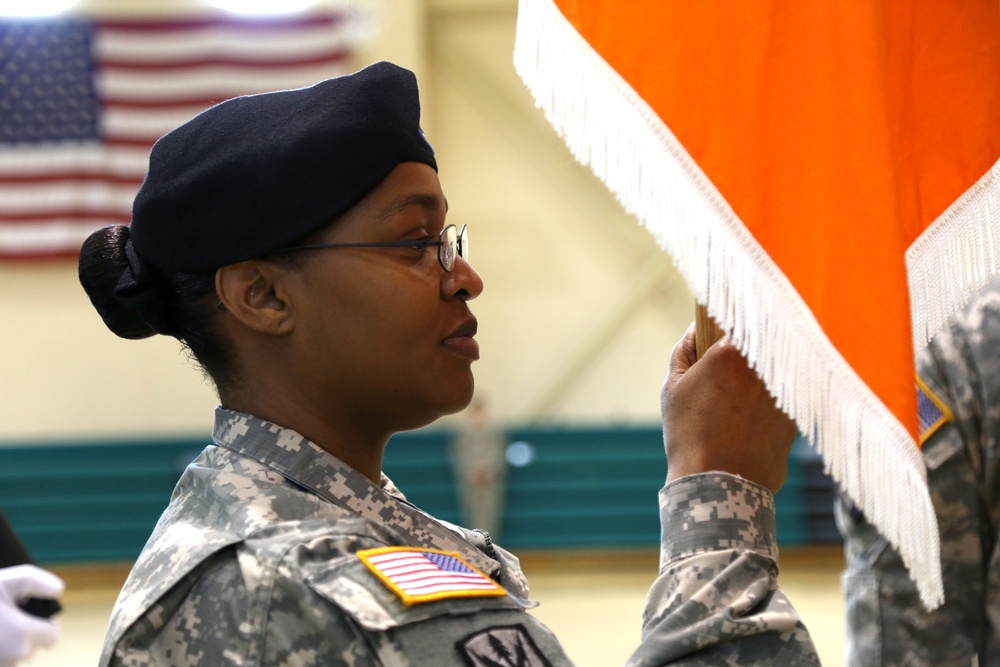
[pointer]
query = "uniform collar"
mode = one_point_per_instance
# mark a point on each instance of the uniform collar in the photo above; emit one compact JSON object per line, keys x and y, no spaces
{"x":304,"y":463}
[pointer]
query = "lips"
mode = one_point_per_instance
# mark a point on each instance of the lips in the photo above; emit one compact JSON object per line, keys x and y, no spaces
{"x":462,"y":339}
{"x":468,"y":328}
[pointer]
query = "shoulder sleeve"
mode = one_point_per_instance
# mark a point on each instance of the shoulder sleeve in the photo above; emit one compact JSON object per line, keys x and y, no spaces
{"x":717,"y":600}
{"x":289,"y":623}
{"x":197,"y":622}
{"x":252,"y":605}
{"x":963,"y":363}
{"x":303,"y":628}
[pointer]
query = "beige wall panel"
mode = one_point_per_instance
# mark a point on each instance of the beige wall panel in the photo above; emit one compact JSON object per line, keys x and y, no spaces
{"x":66,"y":377}
{"x":558,"y":255}
{"x":580,"y":308}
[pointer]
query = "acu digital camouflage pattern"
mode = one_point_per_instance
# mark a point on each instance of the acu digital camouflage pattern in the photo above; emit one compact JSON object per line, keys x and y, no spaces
{"x":717,"y":601}
{"x":253,"y":563}
{"x":887,"y":624}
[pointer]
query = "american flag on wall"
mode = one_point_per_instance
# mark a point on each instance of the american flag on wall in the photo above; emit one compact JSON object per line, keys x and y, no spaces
{"x":81,"y":103}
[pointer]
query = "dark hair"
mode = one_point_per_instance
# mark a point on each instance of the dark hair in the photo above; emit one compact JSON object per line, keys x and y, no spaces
{"x":189,"y":302}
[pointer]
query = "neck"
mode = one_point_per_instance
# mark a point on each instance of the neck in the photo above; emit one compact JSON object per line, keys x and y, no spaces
{"x":340,"y":434}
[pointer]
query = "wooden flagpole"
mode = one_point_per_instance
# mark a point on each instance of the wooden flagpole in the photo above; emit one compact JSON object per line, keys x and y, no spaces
{"x":706,"y":330}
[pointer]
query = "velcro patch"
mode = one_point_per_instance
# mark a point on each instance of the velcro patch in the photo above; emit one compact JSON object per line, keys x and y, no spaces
{"x":424,"y":575}
{"x":931,"y":411}
{"x":507,"y":646}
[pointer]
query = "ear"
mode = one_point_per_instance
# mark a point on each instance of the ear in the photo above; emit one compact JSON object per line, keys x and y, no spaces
{"x":252,"y":292}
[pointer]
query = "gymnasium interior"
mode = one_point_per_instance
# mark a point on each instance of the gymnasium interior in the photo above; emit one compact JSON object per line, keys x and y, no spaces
{"x":577,"y":321}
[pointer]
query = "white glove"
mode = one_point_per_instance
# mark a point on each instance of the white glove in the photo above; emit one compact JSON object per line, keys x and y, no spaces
{"x":20,"y":632}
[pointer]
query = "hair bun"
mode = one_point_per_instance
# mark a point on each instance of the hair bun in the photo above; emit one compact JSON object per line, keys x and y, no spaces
{"x":103,"y":262}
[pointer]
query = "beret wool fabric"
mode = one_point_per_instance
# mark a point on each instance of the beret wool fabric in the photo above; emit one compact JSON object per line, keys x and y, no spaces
{"x":257,"y":173}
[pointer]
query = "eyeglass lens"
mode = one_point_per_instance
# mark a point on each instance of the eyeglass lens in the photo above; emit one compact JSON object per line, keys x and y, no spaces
{"x":447,"y":250}
{"x":453,"y":243}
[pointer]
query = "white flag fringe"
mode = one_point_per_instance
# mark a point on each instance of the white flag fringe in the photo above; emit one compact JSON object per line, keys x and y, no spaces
{"x":610,"y":128}
{"x":964,"y":244}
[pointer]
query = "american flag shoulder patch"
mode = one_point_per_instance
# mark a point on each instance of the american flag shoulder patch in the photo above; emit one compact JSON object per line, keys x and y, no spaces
{"x":931,"y":411}
{"x":423,"y":575}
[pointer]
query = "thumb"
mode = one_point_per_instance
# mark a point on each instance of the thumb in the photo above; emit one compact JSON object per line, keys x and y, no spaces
{"x":30,"y":581}
{"x":682,"y":357}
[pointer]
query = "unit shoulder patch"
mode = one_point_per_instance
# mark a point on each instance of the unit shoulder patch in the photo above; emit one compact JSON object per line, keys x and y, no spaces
{"x":932,"y":412}
{"x":506,"y":646}
{"x":424,"y":575}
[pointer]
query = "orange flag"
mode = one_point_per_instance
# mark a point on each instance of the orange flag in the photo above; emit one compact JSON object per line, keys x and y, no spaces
{"x":825,"y":176}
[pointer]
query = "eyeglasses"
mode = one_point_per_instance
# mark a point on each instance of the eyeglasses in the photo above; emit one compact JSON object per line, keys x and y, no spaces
{"x":451,"y":243}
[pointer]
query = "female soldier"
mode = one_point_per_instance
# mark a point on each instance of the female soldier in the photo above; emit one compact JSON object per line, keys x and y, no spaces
{"x":296,"y":243}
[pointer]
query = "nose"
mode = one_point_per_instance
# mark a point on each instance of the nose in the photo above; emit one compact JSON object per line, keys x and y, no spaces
{"x":462,"y":282}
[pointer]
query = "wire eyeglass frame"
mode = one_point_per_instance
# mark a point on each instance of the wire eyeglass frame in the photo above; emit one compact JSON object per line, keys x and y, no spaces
{"x":451,"y":243}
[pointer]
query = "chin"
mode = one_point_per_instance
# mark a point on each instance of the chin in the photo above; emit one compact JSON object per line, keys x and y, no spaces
{"x":434,"y":402}
{"x":456,"y":399}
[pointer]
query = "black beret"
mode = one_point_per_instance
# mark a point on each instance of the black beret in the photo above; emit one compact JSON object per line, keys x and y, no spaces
{"x":257,"y":173}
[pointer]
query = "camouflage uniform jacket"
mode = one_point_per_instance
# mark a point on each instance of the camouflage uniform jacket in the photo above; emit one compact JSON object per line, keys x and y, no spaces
{"x":887,"y":624}
{"x":255,"y":562}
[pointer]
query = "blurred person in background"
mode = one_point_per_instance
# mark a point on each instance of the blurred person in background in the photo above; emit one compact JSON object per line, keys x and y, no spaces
{"x":959,"y":402}
{"x":297,"y":244}
{"x":479,"y":459}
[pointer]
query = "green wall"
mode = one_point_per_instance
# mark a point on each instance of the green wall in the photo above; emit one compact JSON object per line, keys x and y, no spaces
{"x":596,"y":488}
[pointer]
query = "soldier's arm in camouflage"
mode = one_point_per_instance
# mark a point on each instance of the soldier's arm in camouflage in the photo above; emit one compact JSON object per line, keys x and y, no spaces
{"x":716,"y":601}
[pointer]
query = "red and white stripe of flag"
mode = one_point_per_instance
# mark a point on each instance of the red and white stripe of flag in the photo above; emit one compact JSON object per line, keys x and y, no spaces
{"x":151,"y":77}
